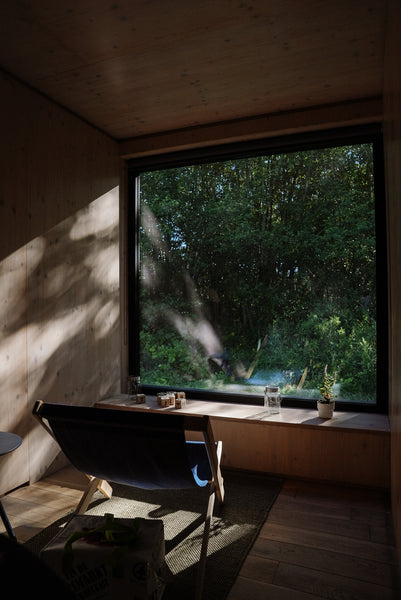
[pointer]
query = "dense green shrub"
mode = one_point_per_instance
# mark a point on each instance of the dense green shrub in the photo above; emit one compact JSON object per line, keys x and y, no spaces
{"x":269,"y":261}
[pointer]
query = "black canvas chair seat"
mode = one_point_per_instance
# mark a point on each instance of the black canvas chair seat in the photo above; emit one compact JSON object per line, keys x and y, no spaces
{"x":144,"y":449}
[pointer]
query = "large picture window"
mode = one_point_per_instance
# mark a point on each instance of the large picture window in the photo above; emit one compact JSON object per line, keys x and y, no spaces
{"x":261,"y":268}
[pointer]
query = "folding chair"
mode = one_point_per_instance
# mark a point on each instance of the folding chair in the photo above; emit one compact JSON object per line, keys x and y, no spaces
{"x":147,"y":450}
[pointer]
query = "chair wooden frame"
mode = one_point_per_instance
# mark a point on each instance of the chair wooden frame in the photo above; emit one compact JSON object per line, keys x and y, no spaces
{"x":190,"y":423}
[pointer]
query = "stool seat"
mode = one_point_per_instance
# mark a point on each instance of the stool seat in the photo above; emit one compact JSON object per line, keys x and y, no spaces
{"x":8,"y":443}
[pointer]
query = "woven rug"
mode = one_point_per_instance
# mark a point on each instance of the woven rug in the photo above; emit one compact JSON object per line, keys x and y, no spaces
{"x":235,"y":526}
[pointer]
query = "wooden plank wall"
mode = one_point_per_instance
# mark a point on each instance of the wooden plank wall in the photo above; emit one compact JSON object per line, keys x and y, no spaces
{"x":347,"y":456}
{"x":392,"y":129}
{"x":59,"y":269}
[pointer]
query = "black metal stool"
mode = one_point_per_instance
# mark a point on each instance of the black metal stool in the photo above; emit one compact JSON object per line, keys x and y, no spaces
{"x":8,"y":443}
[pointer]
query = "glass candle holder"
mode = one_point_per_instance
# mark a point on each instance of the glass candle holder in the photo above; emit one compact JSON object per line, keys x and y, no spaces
{"x":272,"y":399}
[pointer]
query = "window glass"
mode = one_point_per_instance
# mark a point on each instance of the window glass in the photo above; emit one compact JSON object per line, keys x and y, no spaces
{"x":261,"y":270}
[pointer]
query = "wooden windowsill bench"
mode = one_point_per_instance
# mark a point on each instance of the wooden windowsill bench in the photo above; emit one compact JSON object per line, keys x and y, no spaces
{"x":351,"y":448}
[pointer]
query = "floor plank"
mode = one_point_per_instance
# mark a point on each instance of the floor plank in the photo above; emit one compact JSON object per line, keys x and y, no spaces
{"x":324,"y":542}
{"x":321,"y":541}
{"x":327,"y":585}
{"x":245,"y":589}
{"x":331,"y":562}
{"x":294,"y":516}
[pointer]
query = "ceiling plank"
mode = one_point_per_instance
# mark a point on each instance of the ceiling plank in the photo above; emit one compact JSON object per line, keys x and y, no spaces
{"x":138,"y":68}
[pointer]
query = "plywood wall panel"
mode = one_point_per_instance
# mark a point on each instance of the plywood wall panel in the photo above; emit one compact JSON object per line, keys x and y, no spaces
{"x":59,"y":269}
{"x":52,"y":164}
{"x":392,"y":140}
{"x":346,"y":457}
{"x":13,"y":361}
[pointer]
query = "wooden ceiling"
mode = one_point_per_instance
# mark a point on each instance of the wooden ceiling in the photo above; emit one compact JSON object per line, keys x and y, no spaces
{"x":138,"y":67}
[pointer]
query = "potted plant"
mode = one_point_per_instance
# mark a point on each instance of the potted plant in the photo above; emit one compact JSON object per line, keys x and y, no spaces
{"x":326,"y":404}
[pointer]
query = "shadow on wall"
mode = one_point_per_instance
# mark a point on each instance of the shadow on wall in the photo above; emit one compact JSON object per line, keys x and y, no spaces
{"x":59,"y":318}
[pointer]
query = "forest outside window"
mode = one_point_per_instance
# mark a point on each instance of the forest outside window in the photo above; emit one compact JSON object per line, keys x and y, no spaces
{"x":263,"y":268}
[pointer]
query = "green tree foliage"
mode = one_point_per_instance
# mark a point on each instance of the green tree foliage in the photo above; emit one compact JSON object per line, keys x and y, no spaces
{"x":278,"y":248}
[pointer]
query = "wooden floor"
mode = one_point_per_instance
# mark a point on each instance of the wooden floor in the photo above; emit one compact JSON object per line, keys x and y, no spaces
{"x":319,"y":541}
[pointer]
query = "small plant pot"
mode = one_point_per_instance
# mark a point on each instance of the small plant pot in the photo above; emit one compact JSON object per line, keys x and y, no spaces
{"x":326,"y":409}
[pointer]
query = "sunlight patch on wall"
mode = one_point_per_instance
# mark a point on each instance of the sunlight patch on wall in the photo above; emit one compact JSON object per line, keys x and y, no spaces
{"x":98,"y":219}
{"x":59,"y":316}
{"x":104,"y":267}
{"x":106,"y":319}
{"x":73,"y":297}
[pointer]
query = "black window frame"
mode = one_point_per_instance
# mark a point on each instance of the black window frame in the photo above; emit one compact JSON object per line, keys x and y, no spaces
{"x":312,"y":140}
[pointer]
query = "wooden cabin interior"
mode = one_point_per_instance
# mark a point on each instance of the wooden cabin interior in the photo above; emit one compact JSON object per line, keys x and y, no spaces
{"x":86,"y":86}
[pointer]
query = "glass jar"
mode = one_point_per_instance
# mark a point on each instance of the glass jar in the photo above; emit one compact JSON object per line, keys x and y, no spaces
{"x":133,"y":385}
{"x":272,"y":399}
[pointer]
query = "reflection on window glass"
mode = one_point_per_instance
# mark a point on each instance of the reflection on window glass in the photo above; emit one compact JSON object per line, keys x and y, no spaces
{"x":261,"y":270}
